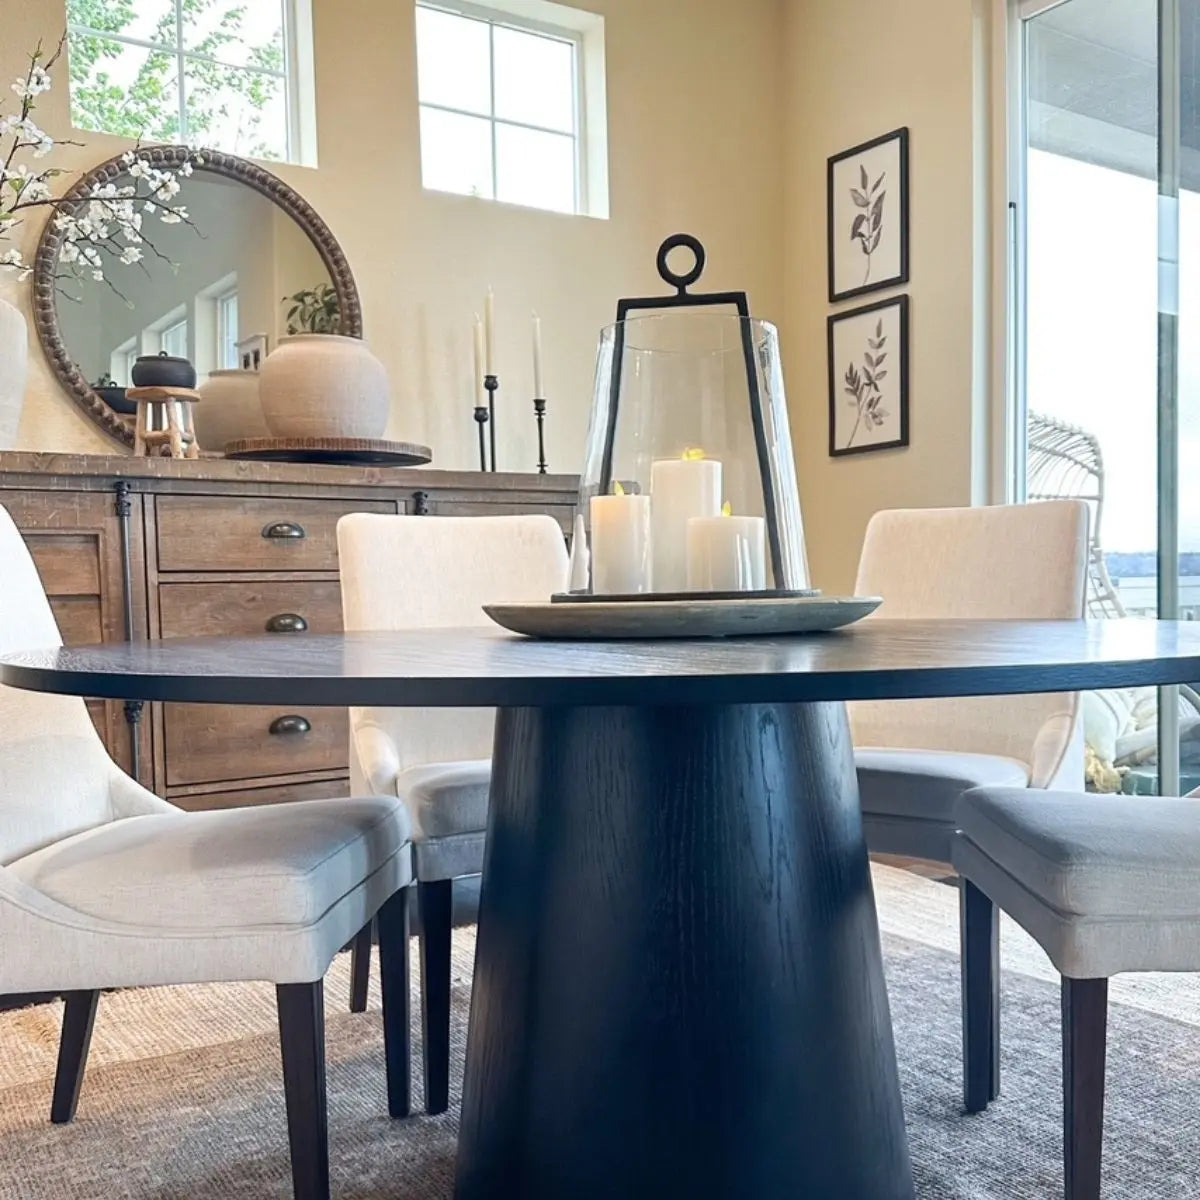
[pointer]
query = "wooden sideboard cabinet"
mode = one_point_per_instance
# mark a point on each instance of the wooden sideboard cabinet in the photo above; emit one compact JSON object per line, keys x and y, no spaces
{"x":134,"y":548}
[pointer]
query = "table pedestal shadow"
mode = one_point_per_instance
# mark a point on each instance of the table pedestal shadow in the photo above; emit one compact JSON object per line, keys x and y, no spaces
{"x":679,"y":990}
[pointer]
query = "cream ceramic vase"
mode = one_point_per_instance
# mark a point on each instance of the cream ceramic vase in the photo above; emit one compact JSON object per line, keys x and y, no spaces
{"x":14,"y":372}
{"x":229,"y":409}
{"x":324,"y":385}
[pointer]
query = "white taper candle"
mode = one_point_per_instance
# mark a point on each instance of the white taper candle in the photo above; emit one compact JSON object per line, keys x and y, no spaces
{"x":489,"y":333}
{"x":538,"y":393}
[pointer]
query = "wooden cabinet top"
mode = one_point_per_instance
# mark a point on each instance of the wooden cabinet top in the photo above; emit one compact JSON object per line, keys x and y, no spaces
{"x":19,"y":468}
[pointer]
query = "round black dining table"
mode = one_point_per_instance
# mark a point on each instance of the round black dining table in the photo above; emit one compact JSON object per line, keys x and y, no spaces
{"x":678,"y":988}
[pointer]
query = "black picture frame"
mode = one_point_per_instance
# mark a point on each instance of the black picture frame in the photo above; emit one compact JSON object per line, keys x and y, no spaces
{"x":899,"y":365}
{"x":837,"y":240}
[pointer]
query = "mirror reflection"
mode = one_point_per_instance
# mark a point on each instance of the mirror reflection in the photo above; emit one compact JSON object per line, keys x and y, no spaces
{"x":218,"y":288}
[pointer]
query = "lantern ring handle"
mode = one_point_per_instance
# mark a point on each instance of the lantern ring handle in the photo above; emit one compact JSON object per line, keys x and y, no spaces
{"x":681,"y":281}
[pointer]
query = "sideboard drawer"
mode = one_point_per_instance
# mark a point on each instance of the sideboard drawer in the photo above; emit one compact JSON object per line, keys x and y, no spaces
{"x":244,"y":609}
{"x":242,"y":794}
{"x":203,"y":741}
{"x":252,"y":533}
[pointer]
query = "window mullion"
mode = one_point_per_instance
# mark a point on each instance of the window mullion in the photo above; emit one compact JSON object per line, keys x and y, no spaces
{"x":492,"y":108}
{"x":181,"y":72}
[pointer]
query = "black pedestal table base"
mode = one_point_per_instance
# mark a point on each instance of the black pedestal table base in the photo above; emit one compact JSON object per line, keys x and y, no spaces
{"x":678,"y":990}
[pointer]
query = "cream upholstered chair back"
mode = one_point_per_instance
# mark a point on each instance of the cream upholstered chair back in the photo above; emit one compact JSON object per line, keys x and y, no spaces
{"x":430,"y":573}
{"x":1008,"y":561}
{"x":56,"y":777}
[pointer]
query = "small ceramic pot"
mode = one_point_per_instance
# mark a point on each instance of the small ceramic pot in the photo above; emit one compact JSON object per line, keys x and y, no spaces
{"x":114,"y":396}
{"x":324,"y":385}
{"x":229,"y":409}
{"x":163,"y":370}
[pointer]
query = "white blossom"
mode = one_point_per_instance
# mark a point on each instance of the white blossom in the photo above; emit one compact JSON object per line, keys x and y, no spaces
{"x":11,"y":258}
{"x":98,"y":275}
{"x":131,"y":255}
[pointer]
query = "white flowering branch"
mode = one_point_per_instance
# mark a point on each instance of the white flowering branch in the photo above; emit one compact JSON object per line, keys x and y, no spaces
{"x":100,"y":227}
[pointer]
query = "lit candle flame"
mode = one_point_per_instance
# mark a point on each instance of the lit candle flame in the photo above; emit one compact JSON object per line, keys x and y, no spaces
{"x":727,"y":509}
{"x":693,"y":454}
{"x":618,"y":490}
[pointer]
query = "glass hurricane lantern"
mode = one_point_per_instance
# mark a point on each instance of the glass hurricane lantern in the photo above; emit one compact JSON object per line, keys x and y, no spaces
{"x":689,"y":485}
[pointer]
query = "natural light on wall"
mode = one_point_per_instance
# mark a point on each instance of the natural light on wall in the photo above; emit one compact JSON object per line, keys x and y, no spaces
{"x":231,"y":75}
{"x":512,"y":104}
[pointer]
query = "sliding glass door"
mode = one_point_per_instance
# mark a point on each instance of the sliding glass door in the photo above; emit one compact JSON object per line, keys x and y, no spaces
{"x":1107,"y":201}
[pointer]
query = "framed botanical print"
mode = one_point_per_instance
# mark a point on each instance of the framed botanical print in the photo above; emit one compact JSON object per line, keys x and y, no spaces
{"x":868,"y":378}
{"x":868,"y":216}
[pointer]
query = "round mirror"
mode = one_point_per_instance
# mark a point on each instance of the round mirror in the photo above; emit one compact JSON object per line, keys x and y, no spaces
{"x":224,"y":261}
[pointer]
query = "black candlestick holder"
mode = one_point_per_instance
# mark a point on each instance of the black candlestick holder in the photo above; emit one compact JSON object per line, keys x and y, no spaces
{"x":539,"y":412}
{"x":481,"y":419}
{"x":491,"y":385}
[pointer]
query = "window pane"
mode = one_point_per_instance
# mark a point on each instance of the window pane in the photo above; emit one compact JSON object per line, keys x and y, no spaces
{"x":535,"y":168}
{"x":227,"y":331}
{"x":240,"y":112}
{"x":246,"y":35}
{"x":175,"y":340}
{"x":535,"y":80}
{"x":453,"y":61}
{"x":456,"y":153}
{"x":147,"y":20}
{"x":125,"y":90}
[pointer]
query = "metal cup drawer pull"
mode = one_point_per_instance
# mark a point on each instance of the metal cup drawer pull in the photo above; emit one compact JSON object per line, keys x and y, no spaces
{"x":287,"y":623}
{"x":283,"y":530}
{"x":291,"y":724}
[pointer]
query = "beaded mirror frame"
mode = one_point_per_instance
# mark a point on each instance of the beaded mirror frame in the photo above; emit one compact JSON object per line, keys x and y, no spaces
{"x":229,"y":166}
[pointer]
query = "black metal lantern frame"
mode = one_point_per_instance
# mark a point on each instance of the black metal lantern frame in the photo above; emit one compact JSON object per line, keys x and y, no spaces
{"x":682,"y":298}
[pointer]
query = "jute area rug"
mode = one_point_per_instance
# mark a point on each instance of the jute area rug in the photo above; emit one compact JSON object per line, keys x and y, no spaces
{"x":183,"y":1097}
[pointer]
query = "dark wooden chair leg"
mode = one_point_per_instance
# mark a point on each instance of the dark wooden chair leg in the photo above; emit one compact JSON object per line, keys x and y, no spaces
{"x":79,"y":1016}
{"x":392,"y":921}
{"x":435,"y":899}
{"x":360,"y":969}
{"x":1084,"y":1032}
{"x":302,"y":1042}
{"x":980,"y":957}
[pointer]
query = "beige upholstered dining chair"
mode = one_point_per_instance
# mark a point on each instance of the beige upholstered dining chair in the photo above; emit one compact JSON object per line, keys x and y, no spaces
{"x":104,"y":885}
{"x":426,"y":573}
{"x":915,"y":758}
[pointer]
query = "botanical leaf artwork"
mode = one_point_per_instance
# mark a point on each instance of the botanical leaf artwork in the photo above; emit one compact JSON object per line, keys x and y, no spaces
{"x":867,"y":226}
{"x":862,"y":386}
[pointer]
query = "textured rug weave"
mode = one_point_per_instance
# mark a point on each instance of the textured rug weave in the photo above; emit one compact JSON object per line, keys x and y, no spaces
{"x":183,"y":1099}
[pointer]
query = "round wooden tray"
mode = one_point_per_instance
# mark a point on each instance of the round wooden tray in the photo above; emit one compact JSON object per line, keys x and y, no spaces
{"x":695,"y":618}
{"x":345,"y":451}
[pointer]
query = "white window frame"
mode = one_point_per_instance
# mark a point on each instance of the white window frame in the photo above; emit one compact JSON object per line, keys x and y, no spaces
{"x":121,"y":360}
{"x":224,"y":340}
{"x":297,"y":73}
{"x":584,"y":31}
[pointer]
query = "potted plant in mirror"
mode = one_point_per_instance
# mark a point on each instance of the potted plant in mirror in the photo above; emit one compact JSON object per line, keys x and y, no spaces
{"x":318,"y":383}
{"x":103,"y":230}
{"x":113,"y":394}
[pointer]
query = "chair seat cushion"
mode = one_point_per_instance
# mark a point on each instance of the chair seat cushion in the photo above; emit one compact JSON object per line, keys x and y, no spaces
{"x":238,"y":868}
{"x":1091,"y":855}
{"x":446,"y":799}
{"x":925,"y":785}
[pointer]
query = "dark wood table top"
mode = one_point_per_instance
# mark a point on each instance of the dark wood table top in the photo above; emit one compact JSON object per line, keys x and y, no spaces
{"x":876,"y":659}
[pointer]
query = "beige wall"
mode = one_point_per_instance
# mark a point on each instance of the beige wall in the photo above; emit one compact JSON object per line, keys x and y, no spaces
{"x":695,"y":89}
{"x":856,"y":69}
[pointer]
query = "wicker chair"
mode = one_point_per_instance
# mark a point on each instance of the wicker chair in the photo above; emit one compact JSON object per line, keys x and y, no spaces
{"x":1066,"y":463}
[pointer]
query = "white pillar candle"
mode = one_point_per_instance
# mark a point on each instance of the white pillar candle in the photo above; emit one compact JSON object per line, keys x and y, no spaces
{"x":538,"y":394}
{"x":726,"y":554}
{"x":680,"y":488}
{"x":489,"y":332}
{"x":478,"y":390}
{"x":620,"y":545}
